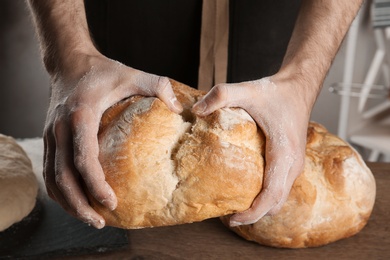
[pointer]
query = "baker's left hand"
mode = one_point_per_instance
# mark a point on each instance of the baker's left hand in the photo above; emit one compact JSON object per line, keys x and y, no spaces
{"x":281,"y":107}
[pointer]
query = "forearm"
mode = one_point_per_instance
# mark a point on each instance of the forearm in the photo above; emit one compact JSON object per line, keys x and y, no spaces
{"x":318,"y":33}
{"x":62,"y":30}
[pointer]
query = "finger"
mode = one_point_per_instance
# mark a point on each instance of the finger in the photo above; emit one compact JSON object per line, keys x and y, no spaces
{"x":85,"y":126}
{"x":67,"y":181}
{"x":49,"y":169}
{"x":165,"y":92}
{"x":222,"y":95}
{"x":161,"y":87}
{"x":274,"y":187}
{"x":294,"y":172}
{"x":49,"y":173}
{"x":263,"y":203}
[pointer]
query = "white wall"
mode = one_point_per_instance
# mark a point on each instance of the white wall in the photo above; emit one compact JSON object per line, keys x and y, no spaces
{"x":327,"y":107}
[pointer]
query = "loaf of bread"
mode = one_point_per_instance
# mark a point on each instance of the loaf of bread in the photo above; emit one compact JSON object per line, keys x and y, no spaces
{"x":332,"y":198}
{"x":18,"y":184}
{"x":169,"y":169}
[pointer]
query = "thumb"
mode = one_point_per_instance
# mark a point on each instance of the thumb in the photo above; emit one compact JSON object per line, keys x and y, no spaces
{"x":165,"y":92}
{"x":218,"y":97}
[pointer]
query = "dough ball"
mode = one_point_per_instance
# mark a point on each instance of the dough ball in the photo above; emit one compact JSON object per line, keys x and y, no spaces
{"x":18,"y":184}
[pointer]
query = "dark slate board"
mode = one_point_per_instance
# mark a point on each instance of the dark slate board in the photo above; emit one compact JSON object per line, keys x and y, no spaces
{"x":50,"y":231}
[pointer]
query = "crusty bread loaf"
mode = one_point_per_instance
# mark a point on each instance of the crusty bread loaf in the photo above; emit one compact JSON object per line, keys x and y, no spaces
{"x":332,"y":199}
{"x":169,"y":169}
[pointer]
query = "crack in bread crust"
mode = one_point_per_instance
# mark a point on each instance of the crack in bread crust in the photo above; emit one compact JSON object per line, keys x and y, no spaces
{"x":169,"y":169}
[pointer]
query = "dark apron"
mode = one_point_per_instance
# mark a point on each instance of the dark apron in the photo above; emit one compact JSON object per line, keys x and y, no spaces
{"x":163,"y":36}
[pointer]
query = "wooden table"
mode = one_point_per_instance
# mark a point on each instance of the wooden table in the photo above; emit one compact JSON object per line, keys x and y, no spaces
{"x":211,"y":240}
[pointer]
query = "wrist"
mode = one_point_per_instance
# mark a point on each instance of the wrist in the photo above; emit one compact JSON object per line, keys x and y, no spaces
{"x":300,"y":82}
{"x":298,"y":74}
{"x":63,"y":33}
{"x":64,"y":53}
{"x":69,"y":60}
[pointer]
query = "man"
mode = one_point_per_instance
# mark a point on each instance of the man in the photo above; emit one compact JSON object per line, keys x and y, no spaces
{"x":85,"y":82}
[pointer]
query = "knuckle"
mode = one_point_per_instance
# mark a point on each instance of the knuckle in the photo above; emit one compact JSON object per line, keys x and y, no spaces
{"x":58,"y":126}
{"x":97,"y":189}
{"x":162,"y":84}
{"x":74,"y":116}
{"x":81,"y":114}
{"x":80,"y":211}
{"x":55,"y":121}
{"x":275,"y":195}
{"x":76,"y":123}
{"x":79,"y":161}
{"x":60,"y":179}
{"x":99,"y":194}
{"x":220,"y":92}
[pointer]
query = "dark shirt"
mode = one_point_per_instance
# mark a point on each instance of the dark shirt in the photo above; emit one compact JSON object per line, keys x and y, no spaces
{"x":163,"y":36}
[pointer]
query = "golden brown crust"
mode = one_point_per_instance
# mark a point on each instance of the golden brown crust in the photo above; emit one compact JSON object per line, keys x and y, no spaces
{"x":332,"y":199}
{"x":169,"y":169}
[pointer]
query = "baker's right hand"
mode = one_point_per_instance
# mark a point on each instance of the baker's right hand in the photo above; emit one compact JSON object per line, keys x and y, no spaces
{"x":80,"y":95}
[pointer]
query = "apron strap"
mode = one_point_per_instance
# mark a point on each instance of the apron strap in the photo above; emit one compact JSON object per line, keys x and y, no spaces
{"x":213,"y":43}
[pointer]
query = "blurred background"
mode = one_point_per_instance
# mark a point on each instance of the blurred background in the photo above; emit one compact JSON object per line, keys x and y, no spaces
{"x":24,"y":84}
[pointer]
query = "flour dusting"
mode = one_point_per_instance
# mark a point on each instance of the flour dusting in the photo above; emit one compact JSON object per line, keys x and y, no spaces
{"x":231,"y":117}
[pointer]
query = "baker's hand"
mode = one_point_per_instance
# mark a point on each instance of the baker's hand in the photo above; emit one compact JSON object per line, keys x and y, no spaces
{"x":281,"y":110}
{"x":80,"y":95}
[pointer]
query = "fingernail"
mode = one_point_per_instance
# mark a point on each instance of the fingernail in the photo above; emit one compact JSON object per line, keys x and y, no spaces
{"x":110,"y":204}
{"x":112,"y":207}
{"x":234,"y":223}
{"x":111,"y":201}
{"x":177,"y":105}
{"x":200,"y":107}
{"x":99,"y":224}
